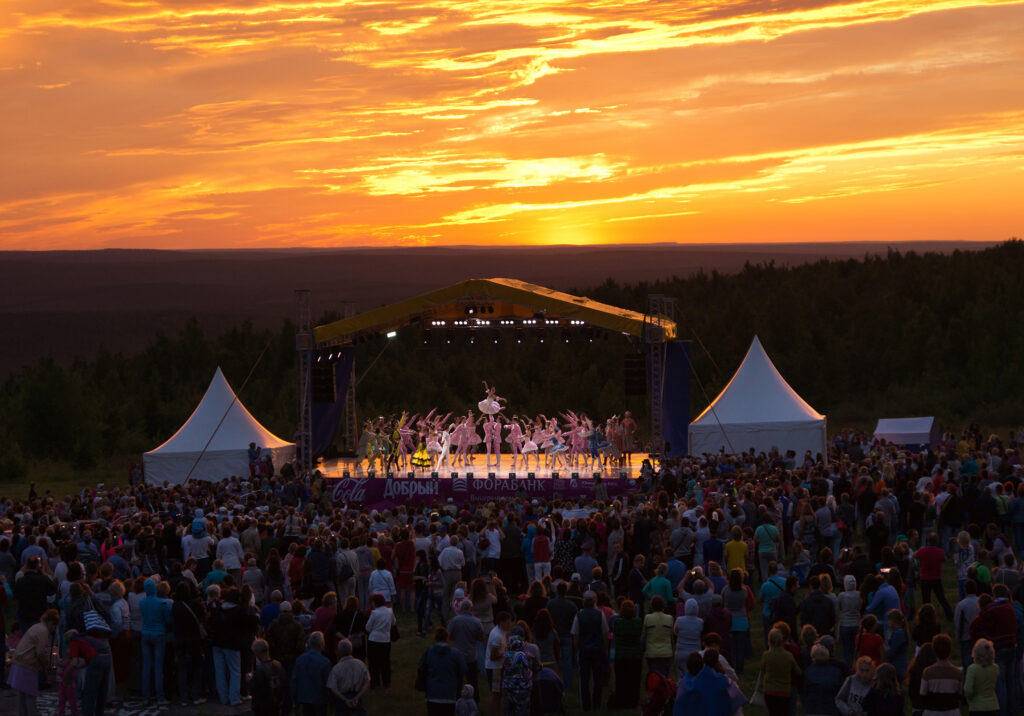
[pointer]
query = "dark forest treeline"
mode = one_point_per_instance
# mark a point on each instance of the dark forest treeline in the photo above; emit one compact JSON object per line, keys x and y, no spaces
{"x":895,"y":335}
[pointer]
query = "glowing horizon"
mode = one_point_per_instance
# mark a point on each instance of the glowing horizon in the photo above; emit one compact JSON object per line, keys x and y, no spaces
{"x":277,"y":124}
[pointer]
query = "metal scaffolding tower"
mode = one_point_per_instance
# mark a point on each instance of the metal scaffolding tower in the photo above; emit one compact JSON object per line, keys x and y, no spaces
{"x":350,"y":436}
{"x":304,"y":345}
{"x":659,"y":308}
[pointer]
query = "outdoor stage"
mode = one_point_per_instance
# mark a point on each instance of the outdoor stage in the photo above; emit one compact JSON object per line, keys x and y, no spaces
{"x":478,"y":469}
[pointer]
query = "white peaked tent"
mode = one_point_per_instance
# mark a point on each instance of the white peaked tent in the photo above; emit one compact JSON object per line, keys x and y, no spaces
{"x":758,"y":410}
{"x":908,"y":431}
{"x":227,"y":453}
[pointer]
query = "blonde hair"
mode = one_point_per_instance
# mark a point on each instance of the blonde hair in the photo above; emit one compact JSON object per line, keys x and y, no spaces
{"x":983,"y":652}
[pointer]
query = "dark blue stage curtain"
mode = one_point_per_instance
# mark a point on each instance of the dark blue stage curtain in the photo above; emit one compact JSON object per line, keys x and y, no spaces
{"x":675,"y":403}
{"x":327,"y":416}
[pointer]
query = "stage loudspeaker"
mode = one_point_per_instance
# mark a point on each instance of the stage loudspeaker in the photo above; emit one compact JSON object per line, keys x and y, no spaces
{"x":371,"y":473}
{"x":511,"y":476}
{"x":554,"y":475}
{"x":346,"y":474}
{"x":575,"y":476}
{"x":531,"y":476}
{"x":634,"y":374}
{"x":322,"y":383}
{"x":433,"y":475}
{"x":454,"y":475}
{"x":490,"y":476}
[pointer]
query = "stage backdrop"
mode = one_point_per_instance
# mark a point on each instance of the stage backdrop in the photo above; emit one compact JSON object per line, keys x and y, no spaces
{"x":385,"y":493}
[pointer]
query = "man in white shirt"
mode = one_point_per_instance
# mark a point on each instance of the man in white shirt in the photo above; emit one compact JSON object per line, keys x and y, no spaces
{"x":452,"y":560}
{"x":494,"y":657}
{"x":229,"y":551}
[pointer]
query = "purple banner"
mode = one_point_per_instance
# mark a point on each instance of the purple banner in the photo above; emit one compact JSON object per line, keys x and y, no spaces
{"x":385,"y":493}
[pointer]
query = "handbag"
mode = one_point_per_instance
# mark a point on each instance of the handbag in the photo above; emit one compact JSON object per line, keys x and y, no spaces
{"x":354,"y":637}
{"x":93,"y":620}
{"x":757,"y":698}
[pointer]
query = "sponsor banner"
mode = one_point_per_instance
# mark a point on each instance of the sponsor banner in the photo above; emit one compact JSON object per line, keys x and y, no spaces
{"x":384,"y":493}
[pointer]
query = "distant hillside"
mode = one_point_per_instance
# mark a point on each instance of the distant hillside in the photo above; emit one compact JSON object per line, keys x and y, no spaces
{"x":897,"y":334}
{"x":68,"y":304}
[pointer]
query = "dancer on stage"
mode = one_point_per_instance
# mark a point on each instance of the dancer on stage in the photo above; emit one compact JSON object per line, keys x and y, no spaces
{"x":515,"y":440}
{"x":444,"y":450}
{"x":491,"y":404}
{"x":492,"y":439}
{"x":628,"y":428}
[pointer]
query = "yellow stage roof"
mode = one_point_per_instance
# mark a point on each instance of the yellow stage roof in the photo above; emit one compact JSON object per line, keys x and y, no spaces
{"x":540,"y":298}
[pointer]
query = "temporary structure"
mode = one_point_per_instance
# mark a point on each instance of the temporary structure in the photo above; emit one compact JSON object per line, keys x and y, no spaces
{"x":908,"y":431}
{"x":213,"y":444}
{"x":758,"y":409}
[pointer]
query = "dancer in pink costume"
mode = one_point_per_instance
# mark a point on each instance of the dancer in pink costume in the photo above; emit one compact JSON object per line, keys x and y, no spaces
{"x":465,"y":438}
{"x":628,"y":427}
{"x":515,"y":440}
{"x":537,"y":436}
{"x":492,"y":440}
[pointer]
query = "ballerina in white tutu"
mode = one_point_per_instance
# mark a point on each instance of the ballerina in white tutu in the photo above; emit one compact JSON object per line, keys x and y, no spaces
{"x":491,"y":404}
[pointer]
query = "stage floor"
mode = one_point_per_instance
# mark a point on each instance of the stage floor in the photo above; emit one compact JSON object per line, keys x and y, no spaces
{"x":478,"y":468}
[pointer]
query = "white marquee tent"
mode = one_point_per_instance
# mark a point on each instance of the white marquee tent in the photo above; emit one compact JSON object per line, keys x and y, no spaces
{"x":227,"y":453}
{"x":758,"y":409}
{"x":908,"y":431}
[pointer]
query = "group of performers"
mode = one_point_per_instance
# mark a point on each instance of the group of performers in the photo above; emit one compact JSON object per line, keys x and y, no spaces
{"x":435,"y":442}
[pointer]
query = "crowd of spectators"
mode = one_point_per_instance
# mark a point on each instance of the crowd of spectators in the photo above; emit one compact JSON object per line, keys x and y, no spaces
{"x":261,"y":590}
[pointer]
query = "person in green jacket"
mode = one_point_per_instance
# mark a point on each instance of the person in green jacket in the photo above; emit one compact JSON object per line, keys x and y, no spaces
{"x":629,"y":649}
{"x":980,"y":681}
{"x":780,"y":668}
{"x":659,"y":585}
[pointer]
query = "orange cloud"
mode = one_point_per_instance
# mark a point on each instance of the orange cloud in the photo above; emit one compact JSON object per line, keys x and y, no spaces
{"x":235,"y":123}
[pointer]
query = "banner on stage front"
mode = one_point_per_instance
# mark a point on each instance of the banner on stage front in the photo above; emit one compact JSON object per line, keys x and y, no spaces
{"x":385,"y":493}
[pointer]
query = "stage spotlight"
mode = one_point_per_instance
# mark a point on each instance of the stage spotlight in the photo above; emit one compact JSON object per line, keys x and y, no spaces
{"x":490,"y":476}
{"x":511,"y":476}
{"x":531,"y":476}
{"x":371,"y":473}
{"x":410,"y":475}
{"x":392,"y":334}
{"x":575,"y":476}
{"x":346,"y":474}
{"x":454,"y":475}
{"x":554,"y":475}
{"x":433,"y":475}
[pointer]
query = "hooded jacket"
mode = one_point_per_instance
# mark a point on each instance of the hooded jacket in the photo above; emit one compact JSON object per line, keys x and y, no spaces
{"x":156,"y":612}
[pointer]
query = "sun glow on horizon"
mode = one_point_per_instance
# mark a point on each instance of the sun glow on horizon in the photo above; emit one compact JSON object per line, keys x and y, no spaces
{"x":229,"y":123}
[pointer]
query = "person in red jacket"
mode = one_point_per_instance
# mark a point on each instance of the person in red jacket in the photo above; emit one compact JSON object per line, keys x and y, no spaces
{"x":997,"y":622}
{"x":931,"y":557}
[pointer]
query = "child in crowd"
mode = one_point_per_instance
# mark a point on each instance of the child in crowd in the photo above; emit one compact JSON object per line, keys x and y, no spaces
{"x":466,"y":706}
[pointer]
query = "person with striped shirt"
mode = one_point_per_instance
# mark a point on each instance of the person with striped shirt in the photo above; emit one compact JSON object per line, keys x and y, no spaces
{"x":940,"y":682}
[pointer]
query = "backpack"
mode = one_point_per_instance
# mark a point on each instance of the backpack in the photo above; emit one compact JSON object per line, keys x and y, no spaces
{"x":346,"y":572}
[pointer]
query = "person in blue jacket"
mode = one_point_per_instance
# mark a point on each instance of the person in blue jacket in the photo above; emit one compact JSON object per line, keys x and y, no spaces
{"x":309,"y":677}
{"x":156,"y":623}
{"x":702,"y":690}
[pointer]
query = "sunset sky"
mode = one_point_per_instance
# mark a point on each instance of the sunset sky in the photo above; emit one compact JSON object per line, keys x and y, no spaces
{"x":244,"y":123}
